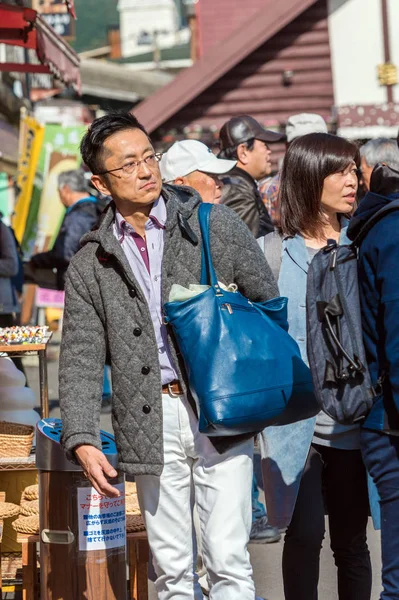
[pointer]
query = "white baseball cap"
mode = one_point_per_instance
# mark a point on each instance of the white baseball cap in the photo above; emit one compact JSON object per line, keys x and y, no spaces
{"x":191,"y":155}
{"x":304,"y":123}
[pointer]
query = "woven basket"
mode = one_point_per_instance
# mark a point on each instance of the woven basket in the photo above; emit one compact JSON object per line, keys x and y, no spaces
{"x":15,"y":439}
{"x":132,"y":506}
{"x":30,"y":493}
{"x":26,"y":524}
{"x":8,"y":510}
{"x":28,"y":509}
{"x":133,"y":523}
{"x":130,"y":489}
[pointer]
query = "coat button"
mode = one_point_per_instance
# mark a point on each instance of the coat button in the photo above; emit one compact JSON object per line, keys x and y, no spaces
{"x":145,"y":370}
{"x":132,"y":293}
{"x":137,"y":331}
{"x":146,"y":409}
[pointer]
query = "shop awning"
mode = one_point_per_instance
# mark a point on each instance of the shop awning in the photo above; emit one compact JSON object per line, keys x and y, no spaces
{"x":71,"y":7}
{"x":24,"y":27}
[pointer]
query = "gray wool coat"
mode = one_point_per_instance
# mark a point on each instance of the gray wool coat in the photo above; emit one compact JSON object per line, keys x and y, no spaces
{"x":104,"y":304}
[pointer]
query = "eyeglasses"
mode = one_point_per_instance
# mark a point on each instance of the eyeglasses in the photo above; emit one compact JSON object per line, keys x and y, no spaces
{"x":132,"y":167}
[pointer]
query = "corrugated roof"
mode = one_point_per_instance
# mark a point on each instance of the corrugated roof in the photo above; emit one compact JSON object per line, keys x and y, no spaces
{"x":108,"y":80}
{"x":161,"y":106}
{"x":173,"y":53}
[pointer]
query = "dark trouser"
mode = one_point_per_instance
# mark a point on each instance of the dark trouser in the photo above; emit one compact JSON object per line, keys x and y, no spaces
{"x":381,"y":456}
{"x":335,"y":479}
{"x":9,"y":321}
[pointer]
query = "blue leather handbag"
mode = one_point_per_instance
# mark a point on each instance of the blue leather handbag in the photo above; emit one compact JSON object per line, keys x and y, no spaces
{"x":244,"y":370}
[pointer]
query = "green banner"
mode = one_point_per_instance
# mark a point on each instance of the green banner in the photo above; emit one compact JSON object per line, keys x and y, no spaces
{"x":60,"y":152}
{"x":4,"y":195}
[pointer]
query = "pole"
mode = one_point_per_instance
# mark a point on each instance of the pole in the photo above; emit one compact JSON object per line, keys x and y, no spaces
{"x":387,"y":48}
{"x":43,"y":377}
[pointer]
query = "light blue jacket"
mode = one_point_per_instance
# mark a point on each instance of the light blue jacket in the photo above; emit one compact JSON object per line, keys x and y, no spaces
{"x":285,"y":448}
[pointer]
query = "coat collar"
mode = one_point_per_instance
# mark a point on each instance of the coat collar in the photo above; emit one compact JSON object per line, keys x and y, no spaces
{"x":180,"y":203}
{"x":296,"y":249}
{"x":238,"y":172}
{"x":178,"y":199}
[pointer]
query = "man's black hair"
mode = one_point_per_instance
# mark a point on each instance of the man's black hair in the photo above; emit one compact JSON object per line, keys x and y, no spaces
{"x":231,"y":153}
{"x":92,"y":144}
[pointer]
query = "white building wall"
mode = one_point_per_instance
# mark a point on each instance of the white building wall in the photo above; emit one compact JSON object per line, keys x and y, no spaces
{"x":357,"y":48}
{"x":137,"y":16}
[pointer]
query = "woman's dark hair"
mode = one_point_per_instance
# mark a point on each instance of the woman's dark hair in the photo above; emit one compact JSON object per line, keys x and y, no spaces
{"x":308,"y":161}
{"x":91,"y":146}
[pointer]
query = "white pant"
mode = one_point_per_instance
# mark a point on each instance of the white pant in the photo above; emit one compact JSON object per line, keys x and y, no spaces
{"x":220,"y":485}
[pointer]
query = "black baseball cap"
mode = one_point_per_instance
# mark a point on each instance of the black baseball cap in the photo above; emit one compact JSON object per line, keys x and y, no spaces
{"x":241,"y":129}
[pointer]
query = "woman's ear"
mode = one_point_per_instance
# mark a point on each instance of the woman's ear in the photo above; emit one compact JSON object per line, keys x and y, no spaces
{"x":180,"y":181}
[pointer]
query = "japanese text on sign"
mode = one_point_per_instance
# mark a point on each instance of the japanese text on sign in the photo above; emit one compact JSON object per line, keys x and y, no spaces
{"x":101,"y":519}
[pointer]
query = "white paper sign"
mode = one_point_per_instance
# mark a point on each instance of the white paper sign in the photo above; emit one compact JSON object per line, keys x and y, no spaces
{"x":102,"y":520}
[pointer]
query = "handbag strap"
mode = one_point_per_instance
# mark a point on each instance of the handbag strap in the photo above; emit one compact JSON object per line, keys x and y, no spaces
{"x":208,"y":275}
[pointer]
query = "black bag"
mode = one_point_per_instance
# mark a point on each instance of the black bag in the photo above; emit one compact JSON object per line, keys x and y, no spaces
{"x":336,"y":353}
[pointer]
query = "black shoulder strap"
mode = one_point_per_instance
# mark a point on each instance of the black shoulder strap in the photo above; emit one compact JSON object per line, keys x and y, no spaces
{"x":388,"y":208}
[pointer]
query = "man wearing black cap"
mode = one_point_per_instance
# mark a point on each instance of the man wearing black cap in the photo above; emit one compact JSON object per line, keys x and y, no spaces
{"x":245,"y":140}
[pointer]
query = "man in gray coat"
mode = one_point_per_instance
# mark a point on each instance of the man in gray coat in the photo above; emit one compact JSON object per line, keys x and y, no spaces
{"x":116,"y":285}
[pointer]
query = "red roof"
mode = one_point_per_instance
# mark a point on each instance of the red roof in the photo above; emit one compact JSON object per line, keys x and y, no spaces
{"x":21,"y":26}
{"x":219,"y":19}
{"x":259,"y":28}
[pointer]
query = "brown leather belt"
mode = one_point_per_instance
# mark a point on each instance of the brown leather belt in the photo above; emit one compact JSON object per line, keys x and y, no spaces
{"x":173,"y":388}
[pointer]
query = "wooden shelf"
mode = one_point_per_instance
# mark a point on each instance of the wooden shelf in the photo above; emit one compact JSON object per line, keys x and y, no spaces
{"x":29,"y":463}
{"x":22,"y":463}
{"x":20,"y":348}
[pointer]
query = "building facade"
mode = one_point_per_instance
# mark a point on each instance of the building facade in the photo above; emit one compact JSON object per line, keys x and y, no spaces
{"x":333,"y":57}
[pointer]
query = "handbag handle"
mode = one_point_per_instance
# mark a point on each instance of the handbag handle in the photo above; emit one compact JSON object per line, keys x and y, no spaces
{"x":208,"y":275}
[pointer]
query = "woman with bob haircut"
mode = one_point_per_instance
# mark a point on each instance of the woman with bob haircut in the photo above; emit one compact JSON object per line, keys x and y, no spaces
{"x":316,"y":463}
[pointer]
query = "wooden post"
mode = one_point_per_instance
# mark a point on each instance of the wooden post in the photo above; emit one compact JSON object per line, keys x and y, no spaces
{"x":138,"y":551}
{"x":67,"y":572}
{"x":28,"y":302}
{"x":29,"y":570}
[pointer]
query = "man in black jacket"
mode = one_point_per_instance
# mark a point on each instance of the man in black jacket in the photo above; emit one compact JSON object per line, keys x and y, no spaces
{"x":82,"y":212}
{"x":245,"y":140}
{"x":379,"y":302}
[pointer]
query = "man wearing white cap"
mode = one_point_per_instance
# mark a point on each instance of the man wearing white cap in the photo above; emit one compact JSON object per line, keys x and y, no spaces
{"x":191,"y":163}
{"x":297,"y":125}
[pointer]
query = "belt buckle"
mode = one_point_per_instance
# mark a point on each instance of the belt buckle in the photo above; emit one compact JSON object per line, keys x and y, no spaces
{"x":171,"y":392}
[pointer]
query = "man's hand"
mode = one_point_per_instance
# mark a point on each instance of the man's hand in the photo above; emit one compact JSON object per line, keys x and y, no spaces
{"x":97,"y":468}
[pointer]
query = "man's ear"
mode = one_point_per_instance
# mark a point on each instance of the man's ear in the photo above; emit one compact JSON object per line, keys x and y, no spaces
{"x":180,"y":181}
{"x":242,"y":153}
{"x":100,"y":183}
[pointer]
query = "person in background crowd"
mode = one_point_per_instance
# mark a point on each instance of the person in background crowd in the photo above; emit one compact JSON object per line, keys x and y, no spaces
{"x":244,"y":140}
{"x":82,"y":213}
{"x":296,"y":126}
{"x":315,"y":463}
{"x":146,"y":242}
{"x":380,"y":150}
{"x":191,"y":163}
{"x":10,"y":307}
{"x":379,"y":301}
